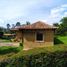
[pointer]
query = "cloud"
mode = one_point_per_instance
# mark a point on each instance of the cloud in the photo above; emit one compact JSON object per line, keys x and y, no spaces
{"x":12,"y":11}
{"x":58,"y":12}
{"x":2,"y":22}
{"x":64,"y":6}
{"x":13,"y":8}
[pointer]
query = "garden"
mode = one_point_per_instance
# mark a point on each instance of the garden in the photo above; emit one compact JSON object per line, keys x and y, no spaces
{"x":54,"y":56}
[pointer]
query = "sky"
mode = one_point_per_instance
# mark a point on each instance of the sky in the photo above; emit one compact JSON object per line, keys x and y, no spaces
{"x":49,"y":11}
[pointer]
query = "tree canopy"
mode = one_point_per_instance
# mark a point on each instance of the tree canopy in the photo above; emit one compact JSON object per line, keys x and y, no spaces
{"x":8,"y":26}
{"x":18,"y":24}
{"x":62,"y":30}
{"x":63,"y":25}
{"x":27,"y":22}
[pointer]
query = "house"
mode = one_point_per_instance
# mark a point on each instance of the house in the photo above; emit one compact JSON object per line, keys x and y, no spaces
{"x":38,"y":34}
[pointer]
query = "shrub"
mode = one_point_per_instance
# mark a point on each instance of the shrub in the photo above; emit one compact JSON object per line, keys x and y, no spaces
{"x":6,"y":37}
{"x":21,"y":44}
{"x":1,"y":34}
{"x":57,"y":41}
{"x":56,"y":58}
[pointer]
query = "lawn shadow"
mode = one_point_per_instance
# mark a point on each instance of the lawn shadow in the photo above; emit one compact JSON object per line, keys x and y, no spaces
{"x":57,"y":41}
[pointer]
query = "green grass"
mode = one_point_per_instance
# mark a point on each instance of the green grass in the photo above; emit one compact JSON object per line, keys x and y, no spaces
{"x":5,"y":40}
{"x":58,"y":47}
{"x":63,"y":39}
{"x":9,"y":49}
{"x":38,"y":50}
{"x":38,"y":57}
{"x":30,"y":52}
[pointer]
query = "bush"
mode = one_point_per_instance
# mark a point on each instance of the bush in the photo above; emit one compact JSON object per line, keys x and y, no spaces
{"x":56,"y":58}
{"x":57,"y":41}
{"x":1,"y":34}
{"x":6,"y":37}
{"x":21,"y":44}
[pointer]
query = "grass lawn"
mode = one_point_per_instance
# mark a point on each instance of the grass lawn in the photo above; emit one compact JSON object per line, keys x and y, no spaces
{"x":10,"y":51}
{"x":38,"y":50}
{"x":5,"y":40}
{"x":54,"y":55}
{"x":33,"y":51}
{"x":63,"y":39}
{"x":57,"y":47}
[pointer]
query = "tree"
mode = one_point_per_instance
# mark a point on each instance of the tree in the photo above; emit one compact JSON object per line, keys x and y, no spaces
{"x":18,"y":24}
{"x":56,"y":24}
{"x":63,"y":26}
{"x":1,"y":34}
{"x":2,"y":31}
{"x":27,"y":23}
{"x":13,"y":26}
{"x":8,"y":26}
{"x":64,"y":20}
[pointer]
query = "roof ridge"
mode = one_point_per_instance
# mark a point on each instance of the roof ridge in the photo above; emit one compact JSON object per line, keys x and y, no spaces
{"x":37,"y":25}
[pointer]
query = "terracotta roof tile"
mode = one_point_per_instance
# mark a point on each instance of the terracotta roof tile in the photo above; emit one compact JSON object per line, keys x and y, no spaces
{"x":37,"y":25}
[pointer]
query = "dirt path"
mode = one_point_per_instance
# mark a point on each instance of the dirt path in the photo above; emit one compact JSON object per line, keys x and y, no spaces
{"x":10,"y":44}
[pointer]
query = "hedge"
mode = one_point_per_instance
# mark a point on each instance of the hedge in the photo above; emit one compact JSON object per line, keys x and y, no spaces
{"x":57,"y":58}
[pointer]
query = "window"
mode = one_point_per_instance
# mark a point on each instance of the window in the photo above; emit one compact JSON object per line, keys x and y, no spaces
{"x":39,"y":36}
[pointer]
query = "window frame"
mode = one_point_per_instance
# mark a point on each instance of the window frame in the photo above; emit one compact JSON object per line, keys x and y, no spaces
{"x":36,"y":37}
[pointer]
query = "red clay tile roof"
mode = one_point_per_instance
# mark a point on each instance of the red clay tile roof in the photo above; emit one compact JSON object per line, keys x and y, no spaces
{"x":37,"y":25}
